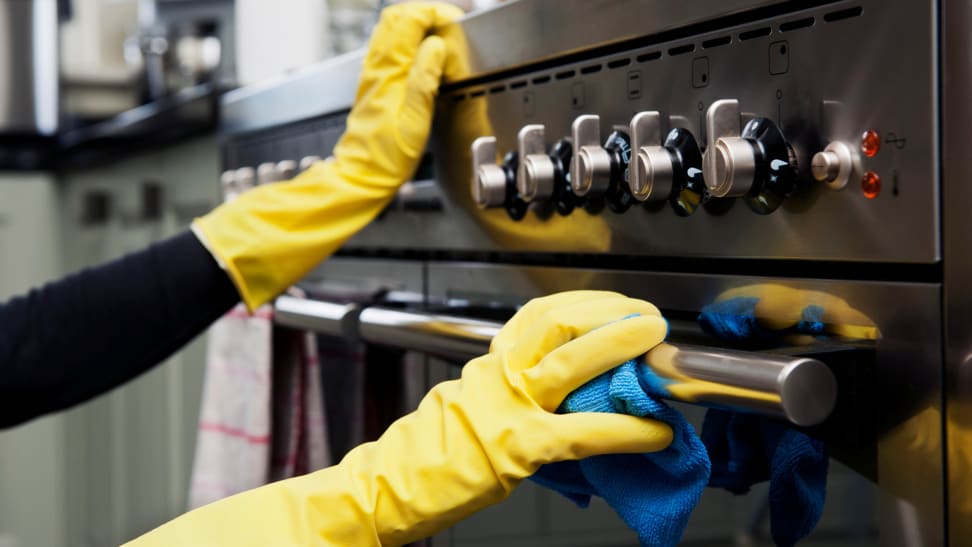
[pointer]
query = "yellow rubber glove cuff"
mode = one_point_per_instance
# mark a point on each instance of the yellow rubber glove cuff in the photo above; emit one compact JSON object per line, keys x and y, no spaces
{"x":271,"y":236}
{"x":469,"y":443}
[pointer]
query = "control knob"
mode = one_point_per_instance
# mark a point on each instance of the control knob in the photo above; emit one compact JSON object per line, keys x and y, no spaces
{"x":286,"y":169}
{"x":307,"y":161}
{"x":495,"y":185}
{"x":597,"y":169}
{"x":535,"y":174}
{"x":266,"y":173}
{"x":666,"y":171}
{"x":834,"y":165}
{"x":754,"y":162}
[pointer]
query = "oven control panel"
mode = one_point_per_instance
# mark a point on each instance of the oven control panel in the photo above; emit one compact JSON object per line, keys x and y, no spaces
{"x":807,"y":135}
{"x":783,"y":132}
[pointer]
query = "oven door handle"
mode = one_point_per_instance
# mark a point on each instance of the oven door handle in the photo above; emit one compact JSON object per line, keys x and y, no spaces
{"x":800,"y":389}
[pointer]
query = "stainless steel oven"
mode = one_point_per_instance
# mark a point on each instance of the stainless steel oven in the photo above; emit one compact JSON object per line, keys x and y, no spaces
{"x":682,"y":152}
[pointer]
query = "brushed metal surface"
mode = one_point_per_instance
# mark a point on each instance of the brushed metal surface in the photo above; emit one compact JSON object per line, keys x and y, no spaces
{"x":837,"y":85}
{"x":909,"y":450}
{"x":548,"y":28}
{"x":833,"y":85}
{"x":320,"y":89}
{"x":956,"y":116}
{"x":800,"y":389}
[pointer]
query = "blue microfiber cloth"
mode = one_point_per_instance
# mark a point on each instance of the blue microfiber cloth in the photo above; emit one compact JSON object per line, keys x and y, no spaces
{"x":747,"y":449}
{"x":653,"y":493}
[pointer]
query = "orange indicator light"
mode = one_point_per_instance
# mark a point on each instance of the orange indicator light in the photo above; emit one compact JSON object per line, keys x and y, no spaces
{"x":870,"y":143}
{"x":871,"y":185}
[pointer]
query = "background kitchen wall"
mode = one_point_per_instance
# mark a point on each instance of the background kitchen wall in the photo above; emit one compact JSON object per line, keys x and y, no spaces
{"x":111,"y":469}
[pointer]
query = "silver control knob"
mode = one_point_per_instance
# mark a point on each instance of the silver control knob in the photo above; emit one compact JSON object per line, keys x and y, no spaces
{"x":488,"y":182}
{"x":266,"y":173}
{"x":834,"y":165}
{"x":286,"y":169}
{"x":729,"y":163}
{"x":735,"y":167}
{"x":245,"y":178}
{"x":535,"y":174}
{"x":227,"y":180}
{"x":590,"y":168}
{"x":307,"y":161}
{"x":658,"y":174}
{"x":652,"y":175}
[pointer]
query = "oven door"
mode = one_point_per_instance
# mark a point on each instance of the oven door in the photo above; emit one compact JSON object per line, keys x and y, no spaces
{"x":885,"y":485}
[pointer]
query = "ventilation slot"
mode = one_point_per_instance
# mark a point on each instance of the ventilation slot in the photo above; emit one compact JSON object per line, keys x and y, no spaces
{"x":795,"y":25}
{"x":618,"y":63}
{"x":497,"y":89}
{"x":650,"y":56}
{"x":518,"y":85}
{"x":755,"y":33}
{"x":716,"y":42}
{"x":687,"y":48}
{"x":458,"y":98}
{"x":541,"y":80}
{"x":843,"y":14}
{"x":591,"y":69}
{"x":565,"y":74}
{"x":477,"y":93}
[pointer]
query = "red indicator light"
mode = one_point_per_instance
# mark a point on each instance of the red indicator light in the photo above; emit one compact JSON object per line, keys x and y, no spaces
{"x":871,"y":185}
{"x":870,"y":143}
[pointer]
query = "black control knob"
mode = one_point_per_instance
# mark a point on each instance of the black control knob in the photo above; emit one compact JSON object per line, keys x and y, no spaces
{"x":755,"y":162}
{"x":564,"y":199}
{"x":618,"y":195}
{"x":688,"y":186}
{"x":665,"y":171}
{"x":775,"y":176}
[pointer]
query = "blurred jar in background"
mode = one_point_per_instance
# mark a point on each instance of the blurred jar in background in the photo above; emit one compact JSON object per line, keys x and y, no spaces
{"x":353,"y":20}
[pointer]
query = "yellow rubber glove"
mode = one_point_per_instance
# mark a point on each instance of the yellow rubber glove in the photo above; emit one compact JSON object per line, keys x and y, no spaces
{"x":273,"y":235}
{"x":469,"y":443}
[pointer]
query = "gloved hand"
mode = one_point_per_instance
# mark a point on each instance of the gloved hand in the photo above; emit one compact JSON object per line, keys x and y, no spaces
{"x":273,"y":235}
{"x":469,"y":443}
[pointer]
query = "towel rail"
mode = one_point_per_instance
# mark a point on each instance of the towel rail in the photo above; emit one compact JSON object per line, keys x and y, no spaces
{"x":801,"y":389}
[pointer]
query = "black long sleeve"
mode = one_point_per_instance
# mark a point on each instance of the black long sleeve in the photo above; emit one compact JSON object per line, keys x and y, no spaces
{"x":83,"y":335}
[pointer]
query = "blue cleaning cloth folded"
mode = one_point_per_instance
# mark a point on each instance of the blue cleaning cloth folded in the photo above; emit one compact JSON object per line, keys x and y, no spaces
{"x":653,"y":493}
{"x":747,"y":449}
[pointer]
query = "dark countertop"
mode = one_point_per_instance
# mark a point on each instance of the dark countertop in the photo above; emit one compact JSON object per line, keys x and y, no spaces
{"x":191,"y":111}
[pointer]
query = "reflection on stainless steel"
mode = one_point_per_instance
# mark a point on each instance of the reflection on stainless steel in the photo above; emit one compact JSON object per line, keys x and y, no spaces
{"x":441,"y":335}
{"x":956,"y":116}
{"x":294,"y":97}
{"x":800,"y":389}
{"x":544,"y":28}
{"x":322,"y":317}
{"x":909,"y":466}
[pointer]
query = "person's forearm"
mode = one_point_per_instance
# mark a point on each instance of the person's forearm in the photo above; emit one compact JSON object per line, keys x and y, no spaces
{"x":83,"y":335}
